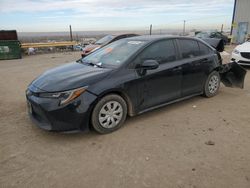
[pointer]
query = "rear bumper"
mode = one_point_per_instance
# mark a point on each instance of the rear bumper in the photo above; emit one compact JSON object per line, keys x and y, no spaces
{"x":47,"y":114}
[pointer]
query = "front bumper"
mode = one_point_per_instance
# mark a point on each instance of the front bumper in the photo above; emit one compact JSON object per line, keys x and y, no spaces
{"x":47,"y":114}
{"x":240,"y":60}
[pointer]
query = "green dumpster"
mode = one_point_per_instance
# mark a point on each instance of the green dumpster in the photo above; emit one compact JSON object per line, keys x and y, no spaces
{"x":10,"y":49}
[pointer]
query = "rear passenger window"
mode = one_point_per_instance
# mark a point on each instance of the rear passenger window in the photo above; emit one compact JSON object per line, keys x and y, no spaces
{"x":162,"y":51}
{"x":189,"y":48}
{"x":204,"y":49}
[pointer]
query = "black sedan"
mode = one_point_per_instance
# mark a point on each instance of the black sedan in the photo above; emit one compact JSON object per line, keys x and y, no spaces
{"x":127,"y":77}
{"x":213,"y":34}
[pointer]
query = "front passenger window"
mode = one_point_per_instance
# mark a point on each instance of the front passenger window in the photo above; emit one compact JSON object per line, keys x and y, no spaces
{"x":162,"y":51}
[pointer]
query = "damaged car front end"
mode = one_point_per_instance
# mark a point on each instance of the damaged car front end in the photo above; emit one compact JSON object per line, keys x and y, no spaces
{"x":232,"y":75}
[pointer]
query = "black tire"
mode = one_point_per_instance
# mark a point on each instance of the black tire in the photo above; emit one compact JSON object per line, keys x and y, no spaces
{"x":209,"y":90}
{"x":101,"y":105}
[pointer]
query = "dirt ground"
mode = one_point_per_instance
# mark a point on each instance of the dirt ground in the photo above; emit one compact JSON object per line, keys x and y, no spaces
{"x":165,"y":148}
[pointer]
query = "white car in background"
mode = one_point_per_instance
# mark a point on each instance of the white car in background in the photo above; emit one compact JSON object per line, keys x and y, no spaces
{"x":241,"y":54}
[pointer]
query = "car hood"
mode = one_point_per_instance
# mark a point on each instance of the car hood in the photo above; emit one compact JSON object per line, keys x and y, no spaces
{"x":69,"y":76}
{"x":245,"y":47}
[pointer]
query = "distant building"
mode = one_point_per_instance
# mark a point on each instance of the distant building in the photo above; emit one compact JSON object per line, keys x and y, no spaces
{"x":241,"y":21}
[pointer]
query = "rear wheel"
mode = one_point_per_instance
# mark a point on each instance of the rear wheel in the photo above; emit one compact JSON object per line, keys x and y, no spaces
{"x":212,"y":84}
{"x":109,"y":114}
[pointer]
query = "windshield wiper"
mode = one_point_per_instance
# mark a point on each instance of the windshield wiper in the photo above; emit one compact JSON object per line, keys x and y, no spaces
{"x":92,"y":64}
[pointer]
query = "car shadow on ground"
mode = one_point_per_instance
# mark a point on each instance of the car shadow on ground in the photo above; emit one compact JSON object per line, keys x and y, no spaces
{"x":160,"y":111}
{"x":130,"y":121}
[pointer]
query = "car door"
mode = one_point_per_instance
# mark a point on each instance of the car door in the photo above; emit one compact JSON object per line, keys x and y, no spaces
{"x":194,"y":66}
{"x":163,"y":84}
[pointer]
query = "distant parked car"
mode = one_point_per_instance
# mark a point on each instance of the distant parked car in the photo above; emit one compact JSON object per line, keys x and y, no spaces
{"x":78,"y":48}
{"x":241,"y":54}
{"x":103,"y":42}
{"x":212,"y":34}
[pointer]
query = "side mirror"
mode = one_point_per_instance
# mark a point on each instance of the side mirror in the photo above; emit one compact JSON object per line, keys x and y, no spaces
{"x":149,"y":65}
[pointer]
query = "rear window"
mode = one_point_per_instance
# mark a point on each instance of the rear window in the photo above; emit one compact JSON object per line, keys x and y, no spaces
{"x":189,"y":48}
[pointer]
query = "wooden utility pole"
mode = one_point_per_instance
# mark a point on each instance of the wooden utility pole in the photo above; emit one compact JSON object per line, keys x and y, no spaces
{"x":150,"y":30}
{"x":221,"y":30}
{"x":70,"y":31}
{"x":184,"y":27}
{"x":71,"y":38}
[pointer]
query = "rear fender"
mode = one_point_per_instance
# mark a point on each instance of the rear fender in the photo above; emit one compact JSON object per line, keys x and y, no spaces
{"x":232,"y":75}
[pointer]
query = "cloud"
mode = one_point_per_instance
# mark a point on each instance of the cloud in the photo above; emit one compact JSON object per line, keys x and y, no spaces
{"x":113,"y":7}
{"x":116,"y":13}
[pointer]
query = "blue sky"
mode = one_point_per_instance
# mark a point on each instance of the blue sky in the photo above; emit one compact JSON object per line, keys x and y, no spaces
{"x":89,"y":15}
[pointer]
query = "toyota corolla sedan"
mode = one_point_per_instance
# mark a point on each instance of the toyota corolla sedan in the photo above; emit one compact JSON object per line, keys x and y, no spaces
{"x":126,"y":78}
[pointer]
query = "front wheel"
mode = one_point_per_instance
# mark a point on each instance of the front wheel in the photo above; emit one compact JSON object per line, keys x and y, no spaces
{"x":109,"y":114}
{"x":212,"y":85}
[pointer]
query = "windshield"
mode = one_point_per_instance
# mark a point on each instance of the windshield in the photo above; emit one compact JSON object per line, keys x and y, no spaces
{"x":105,"y":40}
{"x":114,"y":54}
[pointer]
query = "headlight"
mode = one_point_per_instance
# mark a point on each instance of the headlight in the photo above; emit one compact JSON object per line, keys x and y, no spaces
{"x":236,"y":51}
{"x":65,"y":96}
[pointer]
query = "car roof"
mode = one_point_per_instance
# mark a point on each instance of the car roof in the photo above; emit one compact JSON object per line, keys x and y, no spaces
{"x":116,"y":35}
{"x":159,"y":37}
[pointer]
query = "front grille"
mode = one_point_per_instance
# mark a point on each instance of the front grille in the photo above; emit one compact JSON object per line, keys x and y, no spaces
{"x":245,"y":55}
{"x":244,"y":62}
{"x":38,"y":113}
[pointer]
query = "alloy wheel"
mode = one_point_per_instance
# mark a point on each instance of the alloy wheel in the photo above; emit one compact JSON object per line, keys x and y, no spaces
{"x":213,"y":84}
{"x":110,"y":114}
